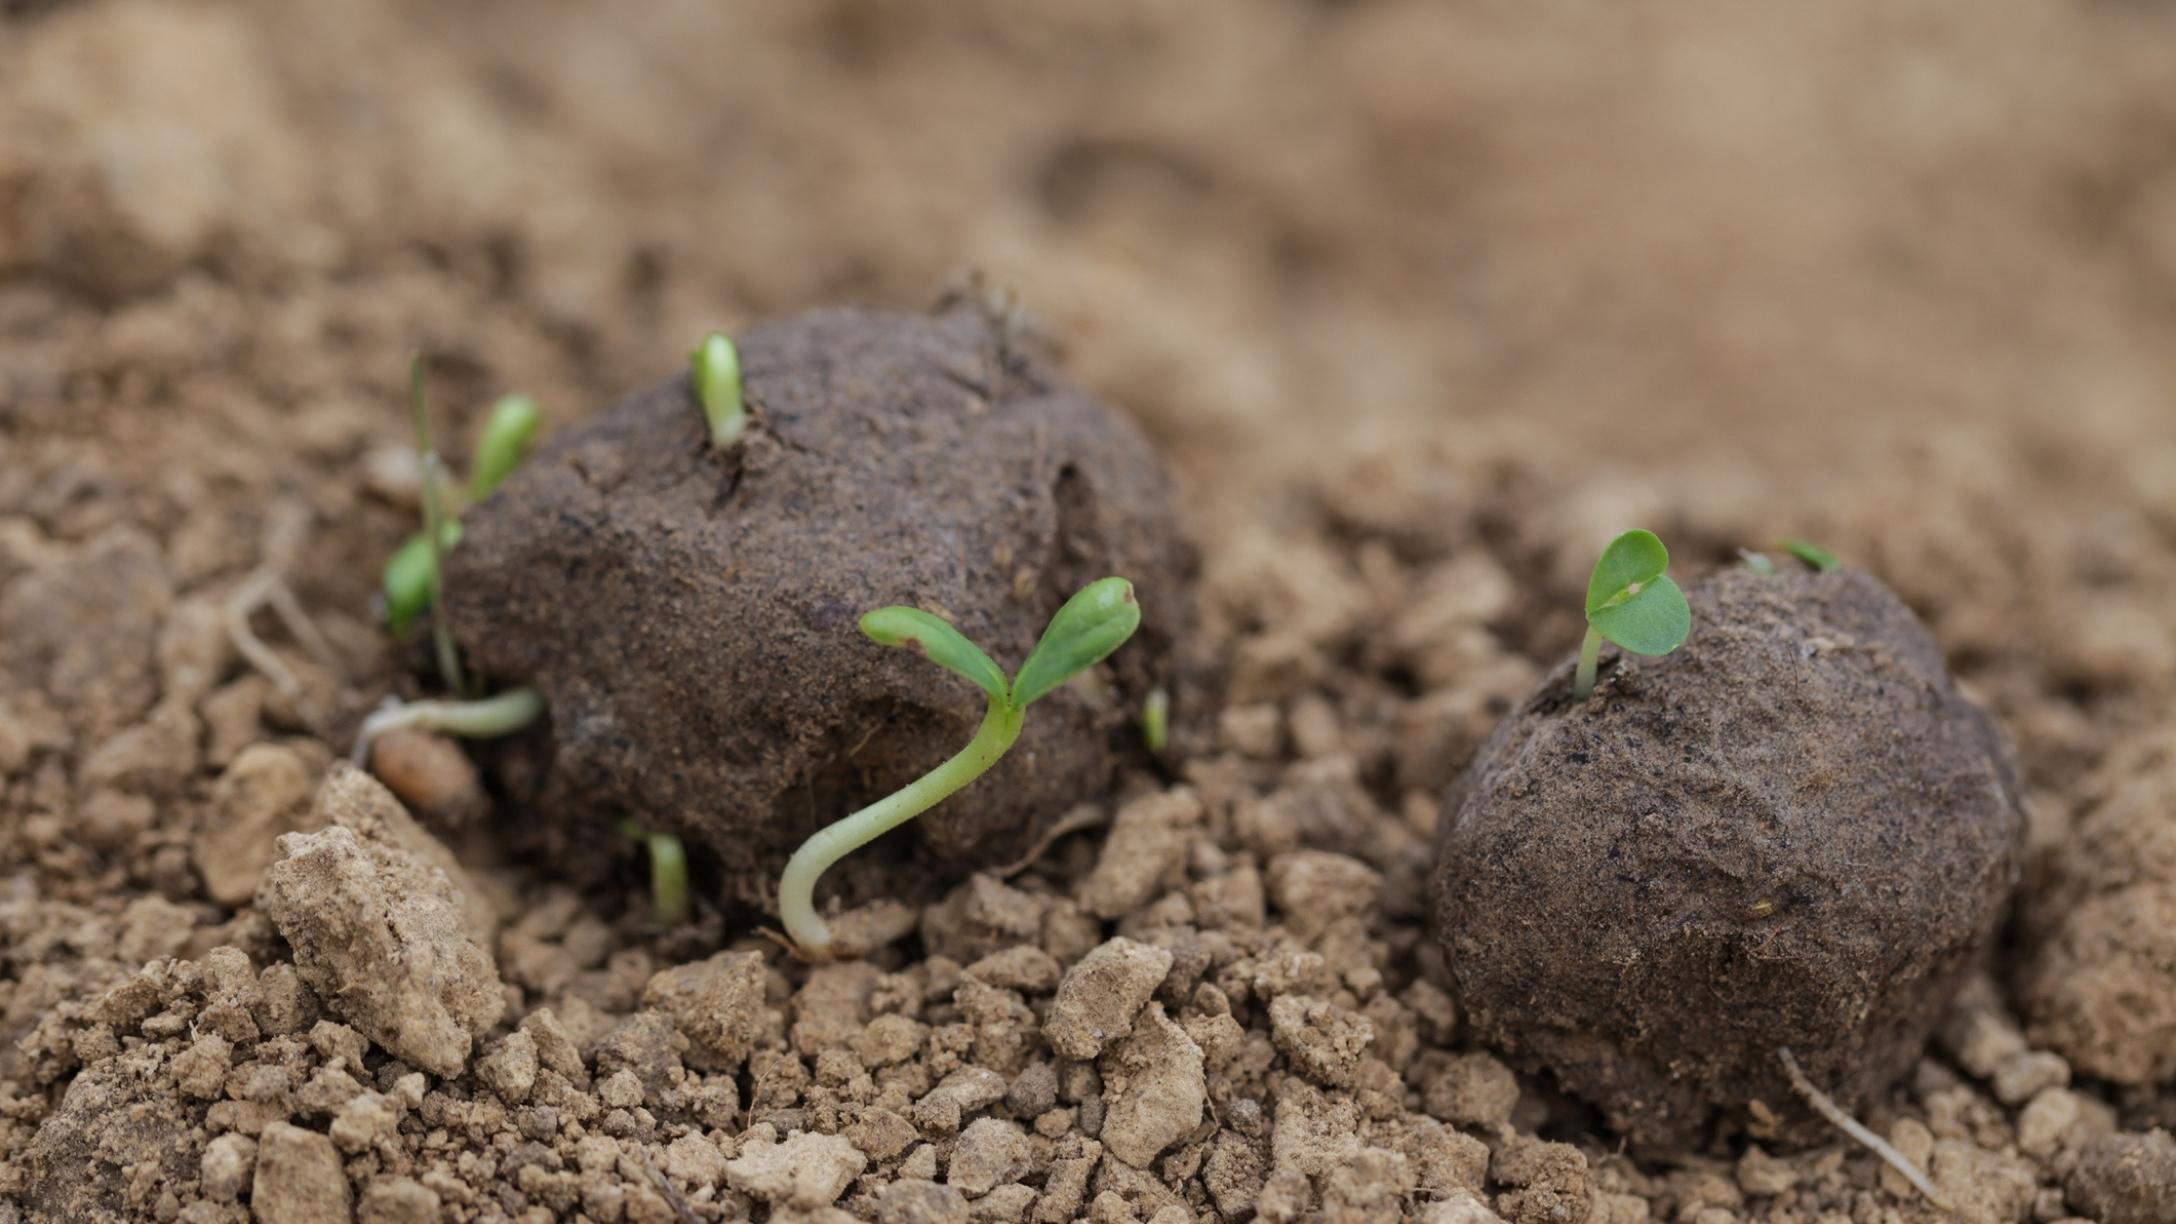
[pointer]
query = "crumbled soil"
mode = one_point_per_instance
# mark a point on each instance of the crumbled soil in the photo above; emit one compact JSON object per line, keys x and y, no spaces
{"x":1792,"y":833}
{"x":1420,"y":303}
{"x":689,"y":615}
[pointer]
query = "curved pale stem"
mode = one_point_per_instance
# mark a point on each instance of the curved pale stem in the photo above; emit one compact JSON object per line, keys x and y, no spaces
{"x":797,"y":887}
{"x":503,"y":714}
{"x":1590,"y":658}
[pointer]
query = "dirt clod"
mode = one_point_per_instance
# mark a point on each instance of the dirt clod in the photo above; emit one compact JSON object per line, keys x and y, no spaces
{"x":1100,"y":996}
{"x":1793,"y":832}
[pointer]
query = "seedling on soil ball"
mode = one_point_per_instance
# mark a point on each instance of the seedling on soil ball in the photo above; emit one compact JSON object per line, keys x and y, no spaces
{"x":668,"y":872}
{"x":1810,"y":553}
{"x":1758,"y":562}
{"x":1632,"y":602}
{"x":1092,"y":624}
{"x":714,"y":367}
{"x":1792,"y":833}
{"x":1156,"y":720}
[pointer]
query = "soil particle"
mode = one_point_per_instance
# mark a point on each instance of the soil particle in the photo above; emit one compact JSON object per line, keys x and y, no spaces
{"x":2127,"y":1178}
{"x":1154,"y":1089}
{"x":718,"y":1005}
{"x":1550,"y":1183}
{"x":83,"y":630}
{"x":2100,"y":982}
{"x":911,"y":1201}
{"x":1146,"y":846}
{"x":894,"y":459}
{"x":803,"y":1170}
{"x":1793,"y":830}
{"x":990,"y":1153}
{"x":381,"y":933}
{"x":264,"y":793}
{"x":1100,"y":996}
{"x":298,"y":1179}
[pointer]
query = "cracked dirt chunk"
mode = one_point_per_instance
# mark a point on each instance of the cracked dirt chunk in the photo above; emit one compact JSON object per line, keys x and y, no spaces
{"x":805,"y":1170}
{"x":2127,"y":1178}
{"x":380,"y":936}
{"x":1314,"y":1132}
{"x":1550,"y":1182}
{"x":943,"y":1108}
{"x":1145,"y":849}
{"x":990,"y":1153}
{"x":299,"y":1179}
{"x":1324,"y":1042}
{"x":1314,"y":888}
{"x":1154,"y":1089}
{"x":1101,"y":994}
{"x":264,"y":793}
{"x":717,"y":1004}
{"x":1472,"y":1090}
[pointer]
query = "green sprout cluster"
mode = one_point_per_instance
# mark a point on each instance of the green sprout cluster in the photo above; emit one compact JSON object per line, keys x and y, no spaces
{"x":1093,"y":623}
{"x":1631,"y":601}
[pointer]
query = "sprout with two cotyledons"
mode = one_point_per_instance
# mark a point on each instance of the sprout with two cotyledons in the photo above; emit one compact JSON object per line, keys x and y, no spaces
{"x":1631,"y":601}
{"x":1091,"y":625}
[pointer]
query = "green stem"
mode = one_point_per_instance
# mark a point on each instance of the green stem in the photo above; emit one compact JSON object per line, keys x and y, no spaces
{"x":668,"y":878}
{"x":503,"y":714}
{"x":797,"y":887}
{"x":1590,"y":657}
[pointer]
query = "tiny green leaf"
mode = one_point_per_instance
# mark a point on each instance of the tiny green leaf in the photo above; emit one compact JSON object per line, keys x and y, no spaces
{"x":714,"y":367}
{"x":1810,"y":553}
{"x":1631,"y":559}
{"x":1758,"y":562}
{"x":945,"y":646}
{"x":508,"y":431}
{"x":408,"y":576}
{"x":1092,"y":624}
{"x":1156,"y":720}
{"x":1653,"y":621}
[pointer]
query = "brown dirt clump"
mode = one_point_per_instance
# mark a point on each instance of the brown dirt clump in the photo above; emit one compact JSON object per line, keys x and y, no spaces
{"x":691,"y":617}
{"x":1792,"y":833}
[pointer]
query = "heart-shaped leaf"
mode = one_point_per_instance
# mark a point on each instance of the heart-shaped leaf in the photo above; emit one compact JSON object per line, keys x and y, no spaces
{"x":945,"y":646}
{"x":1653,"y":621}
{"x":1634,"y":558}
{"x":1092,"y":624}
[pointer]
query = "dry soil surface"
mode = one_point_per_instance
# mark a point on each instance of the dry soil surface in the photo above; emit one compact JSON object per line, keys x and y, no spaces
{"x":1422,"y":302}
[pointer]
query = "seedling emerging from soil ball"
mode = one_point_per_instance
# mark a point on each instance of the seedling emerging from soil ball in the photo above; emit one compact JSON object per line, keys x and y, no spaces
{"x":1793,"y":833}
{"x":1810,"y":553}
{"x":1091,"y":625}
{"x":411,"y":574}
{"x":714,"y":368}
{"x":1632,"y":602}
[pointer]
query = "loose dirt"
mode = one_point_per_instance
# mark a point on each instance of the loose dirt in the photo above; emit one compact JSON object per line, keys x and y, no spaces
{"x":1421,"y":303}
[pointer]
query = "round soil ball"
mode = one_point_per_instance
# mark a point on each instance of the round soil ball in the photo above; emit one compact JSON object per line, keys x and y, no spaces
{"x":1791,"y":833}
{"x":691,"y":616}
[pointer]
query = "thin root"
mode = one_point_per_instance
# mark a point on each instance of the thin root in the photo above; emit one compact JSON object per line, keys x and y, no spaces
{"x":1077,"y":820}
{"x":1851,"y":1126}
{"x":265,"y":586}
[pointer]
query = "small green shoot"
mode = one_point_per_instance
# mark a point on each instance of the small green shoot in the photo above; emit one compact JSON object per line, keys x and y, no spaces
{"x":505,"y":441}
{"x":1631,"y":601}
{"x":408,"y":576}
{"x":485,"y":718}
{"x":1758,"y":562}
{"x":714,"y":369}
{"x":1093,"y":623}
{"x":668,"y":873}
{"x":1810,"y":553}
{"x":1156,"y":720}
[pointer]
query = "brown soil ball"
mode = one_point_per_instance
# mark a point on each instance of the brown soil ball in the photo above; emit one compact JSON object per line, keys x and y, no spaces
{"x":1793,"y":832}
{"x":691,"y":616}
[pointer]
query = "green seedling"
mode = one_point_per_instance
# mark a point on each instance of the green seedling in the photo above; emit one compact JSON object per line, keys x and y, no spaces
{"x":714,"y":369}
{"x":1631,"y":601}
{"x":504,"y":443}
{"x":435,"y":520}
{"x":484,"y":718}
{"x":668,"y":873}
{"x":1093,"y":623}
{"x":1758,"y":562}
{"x":1810,"y":553}
{"x":1156,"y":720}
